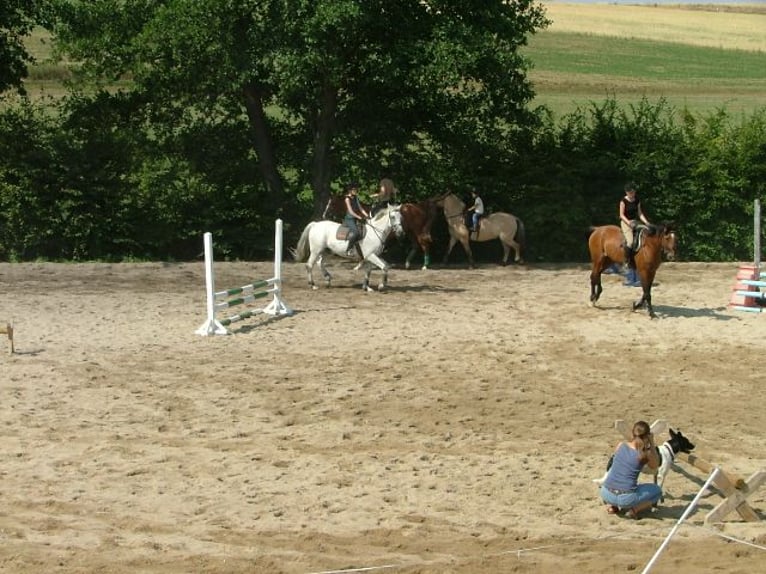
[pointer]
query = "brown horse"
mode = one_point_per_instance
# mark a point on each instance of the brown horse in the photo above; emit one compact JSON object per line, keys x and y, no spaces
{"x":417,"y":219}
{"x":607,"y":245}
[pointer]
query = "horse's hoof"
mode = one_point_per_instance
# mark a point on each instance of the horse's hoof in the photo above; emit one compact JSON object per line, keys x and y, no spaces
{"x":314,"y":288}
{"x":381,"y":287}
{"x":424,"y":268}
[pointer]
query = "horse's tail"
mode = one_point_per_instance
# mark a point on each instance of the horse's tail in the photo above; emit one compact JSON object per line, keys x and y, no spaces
{"x":301,"y":252}
{"x":521,"y":234}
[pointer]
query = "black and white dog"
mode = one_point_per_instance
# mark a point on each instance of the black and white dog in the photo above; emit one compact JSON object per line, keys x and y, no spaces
{"x":667,"y":451}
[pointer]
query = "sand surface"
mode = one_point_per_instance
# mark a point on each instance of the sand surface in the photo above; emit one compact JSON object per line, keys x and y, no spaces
{"x":452,"y":424}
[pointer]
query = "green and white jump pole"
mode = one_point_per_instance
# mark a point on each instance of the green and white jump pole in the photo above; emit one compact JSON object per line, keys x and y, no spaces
{"x":250,"y":293}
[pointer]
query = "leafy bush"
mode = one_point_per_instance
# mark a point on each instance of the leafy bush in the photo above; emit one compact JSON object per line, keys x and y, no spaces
{"x":92,"y":178}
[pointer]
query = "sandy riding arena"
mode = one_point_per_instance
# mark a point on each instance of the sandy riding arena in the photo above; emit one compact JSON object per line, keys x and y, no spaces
{"x":452,"y":424}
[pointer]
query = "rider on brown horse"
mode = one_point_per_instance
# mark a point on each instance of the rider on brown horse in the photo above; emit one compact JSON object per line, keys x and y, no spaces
{"x":631,"y":215}
{"x":386,"y":195}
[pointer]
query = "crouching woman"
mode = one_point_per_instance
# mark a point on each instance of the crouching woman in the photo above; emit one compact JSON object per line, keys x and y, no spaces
{"x":621,"y":491}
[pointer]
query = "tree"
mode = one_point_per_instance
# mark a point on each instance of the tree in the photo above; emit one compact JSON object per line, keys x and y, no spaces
{"x":17,"y":19}
{"x":329,"y":88}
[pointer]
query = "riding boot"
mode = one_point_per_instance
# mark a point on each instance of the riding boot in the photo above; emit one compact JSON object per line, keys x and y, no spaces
{"x":628,"y":254}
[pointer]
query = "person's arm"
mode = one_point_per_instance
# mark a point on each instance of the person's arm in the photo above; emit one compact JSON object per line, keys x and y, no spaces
{"x":650,"y":456}
{"x":641,"y":215}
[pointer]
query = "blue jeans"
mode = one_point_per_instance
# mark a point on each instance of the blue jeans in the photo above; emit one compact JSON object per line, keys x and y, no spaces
{"x":476,"y":217}
{"x":646,"y":492}
{"x":353,"y":230}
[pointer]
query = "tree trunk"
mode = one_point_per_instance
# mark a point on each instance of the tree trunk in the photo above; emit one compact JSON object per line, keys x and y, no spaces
{"x":321,"y":162}
{"x":264,"y":148}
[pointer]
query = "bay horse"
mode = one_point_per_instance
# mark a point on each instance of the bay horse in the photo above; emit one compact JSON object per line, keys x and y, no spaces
{"x":508,"y":228}
{"x":321,"y":236}
{"x":417,"y":219}
{"x":606,"y":245}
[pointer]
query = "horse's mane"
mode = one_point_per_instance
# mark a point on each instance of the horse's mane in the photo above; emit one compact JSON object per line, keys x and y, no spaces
{"x":381,"y":213}
{"x":660,"y":228}
{"x":455,"y":196}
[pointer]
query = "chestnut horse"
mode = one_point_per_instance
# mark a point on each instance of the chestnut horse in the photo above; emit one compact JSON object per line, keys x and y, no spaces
{"x":606,"y":244}
{"x":417,"y":219}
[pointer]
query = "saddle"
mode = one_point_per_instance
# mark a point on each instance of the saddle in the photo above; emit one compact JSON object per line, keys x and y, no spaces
{"x":639,"y":235}
{"x":343,"y":232}
{"x":638,"y":239}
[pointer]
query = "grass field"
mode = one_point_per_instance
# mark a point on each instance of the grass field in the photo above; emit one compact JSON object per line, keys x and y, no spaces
{"x":696,"y":57}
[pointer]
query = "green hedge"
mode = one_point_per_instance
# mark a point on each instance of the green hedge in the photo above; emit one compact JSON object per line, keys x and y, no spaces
{"x":84,"y":181}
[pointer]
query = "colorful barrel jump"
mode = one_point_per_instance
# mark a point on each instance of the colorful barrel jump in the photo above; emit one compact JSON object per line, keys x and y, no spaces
{"x":249,"y":293}
{"x":748,"y":292}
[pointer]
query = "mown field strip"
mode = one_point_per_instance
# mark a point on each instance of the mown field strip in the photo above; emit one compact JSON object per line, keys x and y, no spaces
{"x":696,"y":59}
{"x":721,"y":28}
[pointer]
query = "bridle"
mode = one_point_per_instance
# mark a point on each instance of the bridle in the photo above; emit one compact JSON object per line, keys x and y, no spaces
{"x":671,"y":236}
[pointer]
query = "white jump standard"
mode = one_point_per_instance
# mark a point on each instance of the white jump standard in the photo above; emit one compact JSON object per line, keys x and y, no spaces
{"x":250,"y":293}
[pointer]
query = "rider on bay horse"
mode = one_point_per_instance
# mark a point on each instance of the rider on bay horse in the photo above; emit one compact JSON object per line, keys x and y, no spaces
{"x":631,"y":215}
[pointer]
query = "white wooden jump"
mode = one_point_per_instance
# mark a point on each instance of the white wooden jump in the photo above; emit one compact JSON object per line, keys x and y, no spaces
{"x":734,"y":489}
{"x":249,"y":293}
